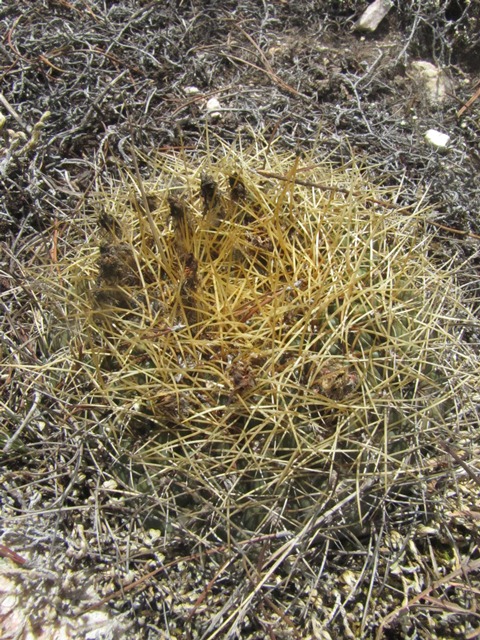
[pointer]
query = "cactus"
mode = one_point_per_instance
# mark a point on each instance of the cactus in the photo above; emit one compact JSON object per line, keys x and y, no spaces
{"x":288,"y":344}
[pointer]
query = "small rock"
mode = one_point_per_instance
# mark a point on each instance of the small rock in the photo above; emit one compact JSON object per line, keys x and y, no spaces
{"x":110,"y":485}
{"x":191,"y":91}
{"x":373,"y":15}
{"x":213,"y":108}
{"x":437,"y":138}
{"x":433,"y":84}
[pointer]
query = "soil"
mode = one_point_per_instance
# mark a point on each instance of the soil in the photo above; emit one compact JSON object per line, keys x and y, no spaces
{"x":82,"y":80}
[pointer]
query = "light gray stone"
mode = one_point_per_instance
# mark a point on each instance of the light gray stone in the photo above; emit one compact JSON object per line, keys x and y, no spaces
{"x":433,"y":83}
{"x":373,"y":15}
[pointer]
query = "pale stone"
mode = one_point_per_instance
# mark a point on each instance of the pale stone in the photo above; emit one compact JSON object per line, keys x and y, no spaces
{"x":373,"y":15}
{"x":434,"y":83}
{"x":437,"y":138}
{"x":213,"y":108}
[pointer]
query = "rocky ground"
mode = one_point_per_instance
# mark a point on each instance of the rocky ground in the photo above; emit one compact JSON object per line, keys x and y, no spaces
{"x":81,"y":81}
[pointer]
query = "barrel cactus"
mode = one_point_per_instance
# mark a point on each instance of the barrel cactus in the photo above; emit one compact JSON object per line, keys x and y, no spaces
{"x":269,"y":337}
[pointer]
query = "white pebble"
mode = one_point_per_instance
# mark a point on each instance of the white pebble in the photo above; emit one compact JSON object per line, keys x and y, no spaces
{"x":437,"y":138}
{"x":110,"y":485}
{"x":213,"y":107}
